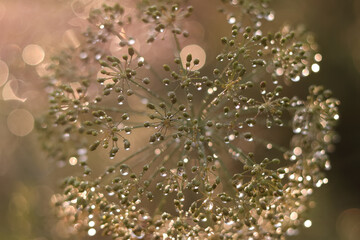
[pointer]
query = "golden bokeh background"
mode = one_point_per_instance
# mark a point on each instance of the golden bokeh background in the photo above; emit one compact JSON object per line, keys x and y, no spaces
{"x":32,"y":31}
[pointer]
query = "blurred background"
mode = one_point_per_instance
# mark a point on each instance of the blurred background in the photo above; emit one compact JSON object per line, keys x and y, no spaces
{"x":32,"y":31}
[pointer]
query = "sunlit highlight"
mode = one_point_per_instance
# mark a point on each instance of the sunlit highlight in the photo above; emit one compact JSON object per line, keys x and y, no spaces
{"x":197,"y":52}
{"x":33,"y":54}
{"x":20,"y":122}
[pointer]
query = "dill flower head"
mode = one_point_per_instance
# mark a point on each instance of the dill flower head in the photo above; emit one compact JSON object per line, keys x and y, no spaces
{"x":193,"y":148}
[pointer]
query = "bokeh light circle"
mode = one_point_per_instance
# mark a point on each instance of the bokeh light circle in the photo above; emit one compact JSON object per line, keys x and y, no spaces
{"x":2,"y":10}
{"x":33,"y":54}
{"x":348,"y":224}
{"x":197,"y":52}
{"x":4,"y":72}
{"x":20,"y":122}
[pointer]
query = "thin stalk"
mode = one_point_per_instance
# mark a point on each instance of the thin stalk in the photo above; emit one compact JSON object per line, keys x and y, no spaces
{"x":138,"y":53}
{"x":148,"y":91}
{"x":131,"y":156}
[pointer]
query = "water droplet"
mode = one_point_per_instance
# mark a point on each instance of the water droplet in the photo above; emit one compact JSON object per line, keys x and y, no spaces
{"x":137,"y":234}
{"x":209,"y":205}
{"x":270,"y":17}
{"x":297,"y":130}
{"x":300,"y":122}
{"x":98,"y":56}
{"x":295,"y":79}
{"x":82,"y":151}
{"x":73,"y":161}
{"x":180,"y":171}
{"x":131,"y":41}
{"x":91,"y":232}
{"x":157,"y":151}
{"x":268,"y":123}
{"x":232,"y":20}
{"x":124,"y":170}
{"x":248,"y":137}
{"x":325,"y":181}
{"x":239,"y":184}
{"x":315,"y":67}
{"x":307,"y":223}
{"x":231,"y":137}
{"x":305,"y":72}
{"x":327,"y":165}
{"x":292,"y":232}
{"x":319,"y":183}
{"x":229,"y":223}
{"x":318,"y":57}
{"x":250,"y":122}
{"x":66,"y":136}
{"x":297,"y":151}
{"x":83,"y":55}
